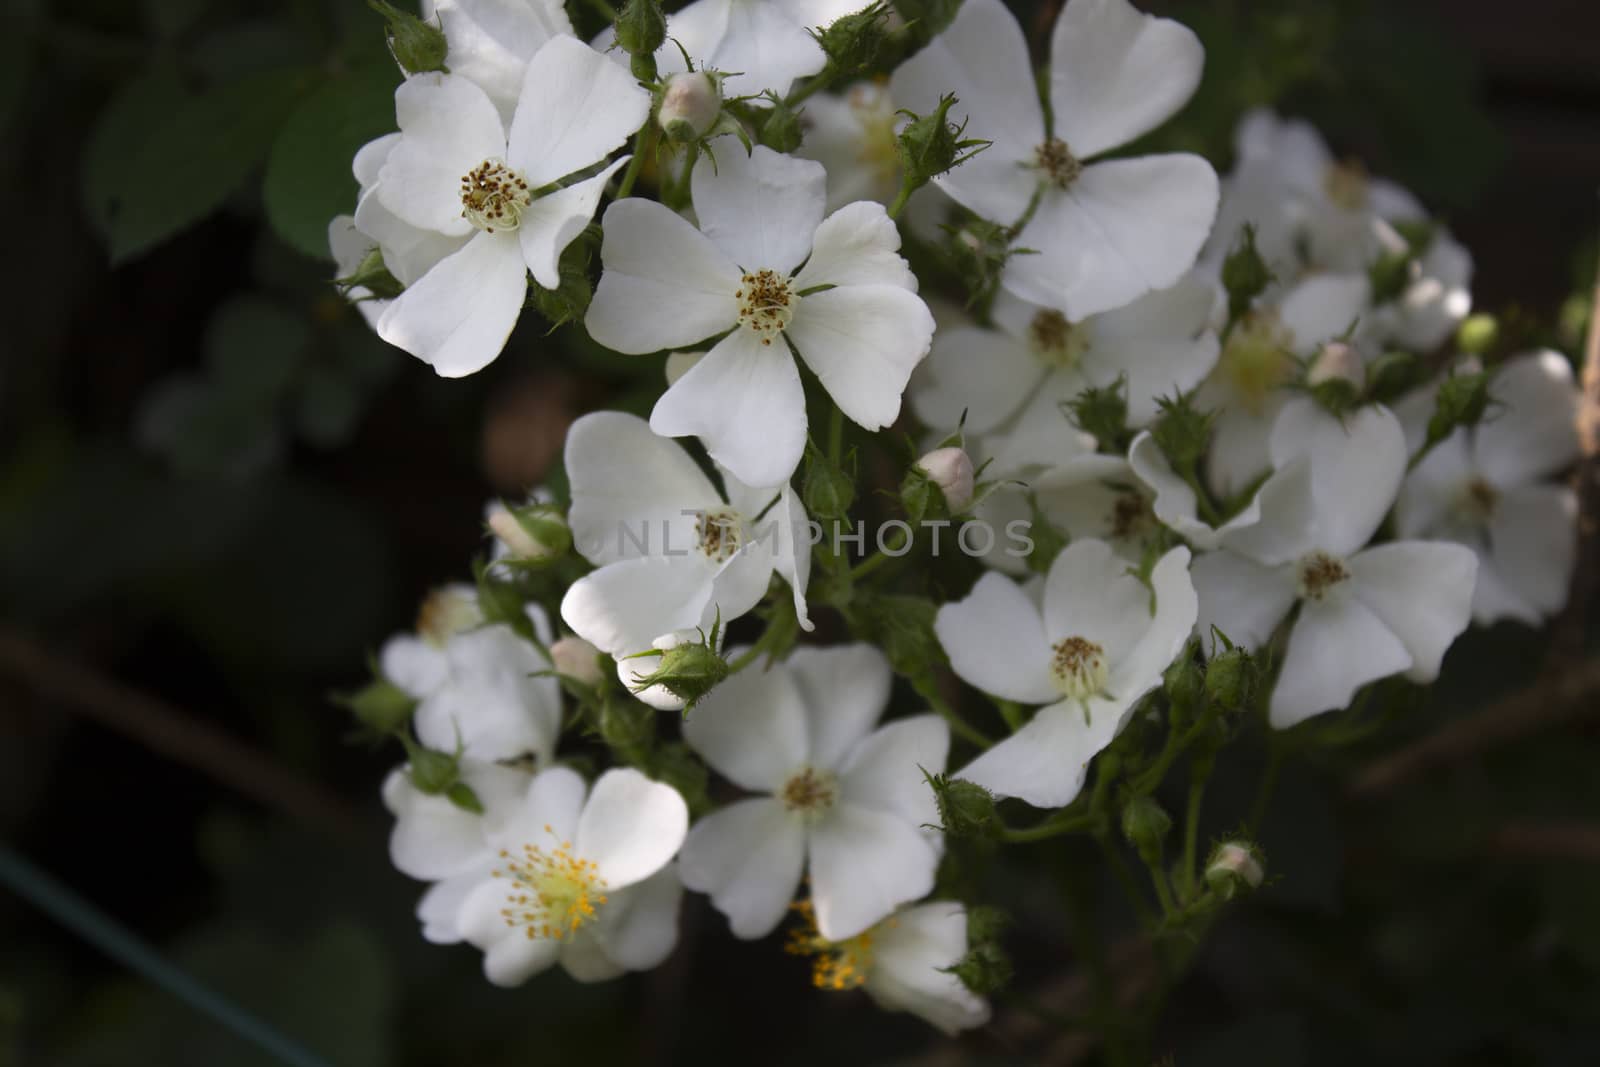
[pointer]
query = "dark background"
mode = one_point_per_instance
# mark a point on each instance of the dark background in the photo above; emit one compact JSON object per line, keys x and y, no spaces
{"x":219,"y":493}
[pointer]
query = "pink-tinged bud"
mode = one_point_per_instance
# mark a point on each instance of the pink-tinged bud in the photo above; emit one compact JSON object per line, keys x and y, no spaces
{"x":951,"y":470}
{"x":577,"y":659}
{"x":689,"y":106}
{"x":1337,"y":360}
{"x":1233,"y":866}
{"x":533,"y":533}
{"x":680,"y":363}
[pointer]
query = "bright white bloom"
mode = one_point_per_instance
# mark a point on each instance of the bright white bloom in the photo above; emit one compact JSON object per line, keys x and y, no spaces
{"x":1364,"y":613}
{"x":416,"y":662}
{"x":1487,"y":487}
{"x":585,"y":880}
{"x":458,"y":172}
{"x":1105,"y":232}
{"x":902,"y":962}
{"x":1258,"y":359}
{"x":853,"y":135}
{"x":1035,"y":361}
{"x":766,"y":266}
{"x":437,"y":841}
{"x":673,"y":554}
{"x":845,"y":801}
{"x":1088,"y":653}
{"x":492,"y":41}
{"x":759,"y":44}
{"x":408,"y":251}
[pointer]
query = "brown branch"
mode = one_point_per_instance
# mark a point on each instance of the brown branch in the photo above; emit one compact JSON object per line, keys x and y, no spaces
{"x":180,"y":737}
{"x":1545,"y":841}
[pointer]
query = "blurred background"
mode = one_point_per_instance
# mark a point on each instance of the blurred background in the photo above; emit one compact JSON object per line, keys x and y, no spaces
{"x":219,"y":493}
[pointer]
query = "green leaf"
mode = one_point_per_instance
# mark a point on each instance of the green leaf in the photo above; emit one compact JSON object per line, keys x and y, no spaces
{"x":308,"y":178}
{"x":160,"y":158}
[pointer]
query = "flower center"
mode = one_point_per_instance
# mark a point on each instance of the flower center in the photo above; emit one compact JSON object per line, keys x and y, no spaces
{"x":493,"y":196}
{"x":1057,"y":162}
{"x":1319,"y":574}
{"x":1130,"y":514}
{"x":553,"y":893}
{"x":720,"y":533}
{"x":879,"y":148}
{"x":1256,"y":359}
{"x":1346,"y":185}
{"x":765,"y":304}
{"x":445,"y":613}
{"x":1476,"y":502}
{"x":1054,"y":341}
{"x":836,"y":965}
{"x":809,"y":792}
{"x":1079,"y":668}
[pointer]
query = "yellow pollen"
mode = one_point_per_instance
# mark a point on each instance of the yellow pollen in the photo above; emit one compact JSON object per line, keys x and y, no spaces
{"x":1256,"y":359}
{"x":719,"y":533}
{"x":837,"y":965}
{"x":809,"y":792}
{"x":1060,"y":166}
{"x":765,"y":304}
{"x":1346,"y":185}
{"x":1319,"y":573}
{"x":1079,"y":668}
{"x":553,"y":893}
{"x":493,"y":196}
{"x":1055,"y":342}
{"x":444,"y":613}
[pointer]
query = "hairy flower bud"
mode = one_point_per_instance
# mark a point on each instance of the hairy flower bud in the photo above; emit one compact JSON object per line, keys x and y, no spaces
{"x":641,"y":28}
{"x":415,"y":44}
{"x":380,"y":706}
{"x":689,"y":106}
{"x":966,"y":809}
{"x":950,"y":470}
{"x":534,"y":533}
{"x":1234,"y":866}
{"x":1231,"y":678}
{"x":1244,"y":273}
{"x":1145,"y":824}
{"x":852,"y":41}
{"x":628,"y":728}
{"x":1462,"y":400}
{"x":931,"y":144}
{"x":1185,"y":684}
{"x":827,"y":489}
{"x":985,"y":969}
{"x":781,"y":130}
{"x":1182,"y":432}
{"x":575,"y":658}
{"x":688,"y":671}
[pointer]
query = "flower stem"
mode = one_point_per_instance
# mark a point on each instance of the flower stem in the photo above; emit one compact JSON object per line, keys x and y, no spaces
{"x":900,"y":200}
{"x":1191,"y":830}
{"x":959,"y":726}
{"x":636,"y":164}
{"x":1053,"y":826}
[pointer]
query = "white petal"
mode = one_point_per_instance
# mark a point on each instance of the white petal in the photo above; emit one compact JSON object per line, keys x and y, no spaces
{"x":491,"y":41}
{"x":864,"y":864}
{"x":1089,"y":593}
{"x":1160,"y":344}
{"x":585,"y":959}
{"x":509,"y":956}
{"x":745,"y":403}
{"x":576,"y":108}
{"x":631,"y":827}
{"x":768,"y":50}
{"x":995,"y":640}
{"x":1046,"y":761}
{"x":638,"y":927}
{"x":1357,"y":463}
{"x":546,"y":815}
{"x":843,"y":689}
{"x":1043,"y":435}
{"x":752,"y":728}
{"x":631,"y":489}
{"x":408,"y":251}
{"x":863,"y":341}
{"x":440,"y":907}
{"x":748,"y":857}
{"x":449,"y":126}
{"x":981,"y":372}
{"x":369,"y":159}
{"x":1337,"y":646}
{"x":432,"y":837}
{"x":1323,"y":307}
{"x":791,"y":556}
{"x":1422,"y":591}
{"x":664,"y":284}
{"x":458,"y":316}
{"x":857,"y":245}
{"x":1239,"y":443}
{"x":1533,"y":539}
{"x":885,"y":772}
{"x":412,"y":664}
{"x":1533,"y":432}
{"x":1125,"y":227}
{"x":1116,"y":73}
{"x":1139,"y":669}
{"x":623,"y":607}
{"x":1280,"y":522}
{"x":551,"y":222}
{"x":761,"y":210}
{"x":492,"y":707}
{"x":983,"y":59}
{"x":1240,"y":597}
{"x":909,"y":967}
{"x":1494,"y":598}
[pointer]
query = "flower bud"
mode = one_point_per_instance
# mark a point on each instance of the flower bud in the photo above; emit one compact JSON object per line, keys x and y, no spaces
{"x":781,"y":131}
{"x":1182,"y":432}
{"x":415,"y":45}
{"x":575,"y":658}
{"x":966,"y":809}
{"x":931,"y":144}
{"x":1234,"y":866}
{"x":950,"y":469}
{"x":985,"y":968}
{"x":1244,"y":273}
{"x":641,"y":27}
{"x":431,"y":772}
{"x":681,"y":363}
{"x":688,"y":671}
{"x":689,"y":106}
{"x":1478,"y":333}
{"x":534,"y":533}
{"x":373,"y":275}
{"x":852,"y":41}
{"x":827,"y":490}
{"x":1185,"y":684}
{"x":628,"y":728}
{"x":1462,"y":400}
{"x":381,"y":706}
{"x":1231,"y":678}
{"x":1102,"y":412}
{"x":1145,"y":824}
{"x":1337,"y":361}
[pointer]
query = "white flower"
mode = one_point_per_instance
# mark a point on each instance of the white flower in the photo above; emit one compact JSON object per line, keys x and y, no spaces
{"x":1285,"y":495}
{"x":437,"y":841}
{"x":690,"y":105}
{"x":1088,"y":653}
{"x":1035,"y":361}
{"x":845,"y":801}
{"x":416,"y":662}
{"x":902,"y":962}
{"x":408,"y":251}
{"x":492,"y":41}
{"x":583,"y":880}
{"x":1105,"y":232}
{"x":766,"y":265}
{"x":1364,"y":614}
{"x":853,"y":136}
{"x":1085,"y":495}
{"x":673,"y":555}
{"x":1487,"y":487}
{"x":457,"y":170}
{"x":1436,"y":298}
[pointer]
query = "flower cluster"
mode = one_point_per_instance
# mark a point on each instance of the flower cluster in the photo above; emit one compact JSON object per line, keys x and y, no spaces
{"x":1227,"y":414}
